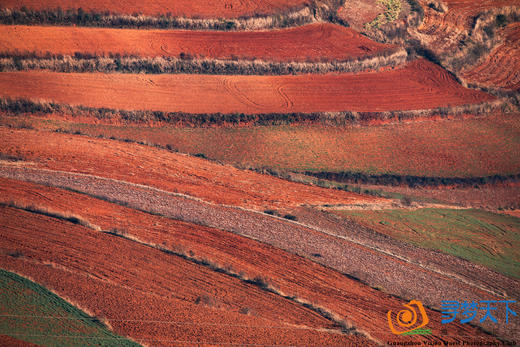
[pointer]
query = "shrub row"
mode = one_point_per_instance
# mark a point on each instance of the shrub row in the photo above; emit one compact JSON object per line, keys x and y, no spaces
{"x":187,"y":64}
{"x":25,"y":106}
{"x":324,"y":10}
{"x":25,"y":16}
{"x":412,"y":181}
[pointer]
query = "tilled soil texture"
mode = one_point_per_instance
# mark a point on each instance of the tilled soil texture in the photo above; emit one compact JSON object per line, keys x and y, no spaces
{"x":315,"y":42}
{"x":357,"y":304}
{"x":337,"y":249}
{"x":152,"y":296}
{"x":187,"y":8}
{"x":173,"y":172}
{"x":501,"y":68}
{"x":418,"y":85}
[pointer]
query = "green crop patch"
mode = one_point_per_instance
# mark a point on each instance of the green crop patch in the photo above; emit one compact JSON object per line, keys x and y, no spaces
{"x":31,"y":313}
{"x":482,"y":237}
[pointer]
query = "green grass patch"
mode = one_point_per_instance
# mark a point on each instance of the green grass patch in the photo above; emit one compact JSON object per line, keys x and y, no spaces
{"x":482,"y":237}
{"x":34,"y":314}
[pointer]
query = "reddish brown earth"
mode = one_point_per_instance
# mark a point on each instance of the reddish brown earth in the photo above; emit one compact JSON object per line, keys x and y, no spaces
{"x":306,"y":43}
{"x":501,"y":68}
{"x":151,"y":295}
{"x":418,"y":85}
{"x":361,"y":306}
{"x":169,"y":171}
{"x":188,"y":8}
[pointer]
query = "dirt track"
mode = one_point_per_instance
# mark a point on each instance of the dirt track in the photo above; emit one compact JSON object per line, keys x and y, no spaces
{"x":315,"y":42}
{"x":188,"y":8}
{"x":418,"y":85}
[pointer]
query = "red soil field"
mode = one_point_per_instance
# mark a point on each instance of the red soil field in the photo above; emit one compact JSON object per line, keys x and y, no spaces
{"x":418,"y":85}
{"x":306,"y":43}
{"x":501,"y":68}
{"x":362,"y":306}
{"x":169,"y":171}
{"x":177,"y":8}
{"x":148,"y":294}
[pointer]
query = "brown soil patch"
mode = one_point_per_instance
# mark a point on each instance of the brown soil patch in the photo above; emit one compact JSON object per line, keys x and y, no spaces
{"x":418,"y":85}
{"x":315,"y":42}
{"x":177,"y":8}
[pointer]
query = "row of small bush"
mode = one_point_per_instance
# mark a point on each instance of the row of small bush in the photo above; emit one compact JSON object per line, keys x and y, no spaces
{"x":85,"y":62}
{"x":80,"y":17}
{"x":25,"y":106}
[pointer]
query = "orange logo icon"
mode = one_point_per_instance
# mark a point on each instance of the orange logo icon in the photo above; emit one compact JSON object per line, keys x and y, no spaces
{"x":409,"y":321}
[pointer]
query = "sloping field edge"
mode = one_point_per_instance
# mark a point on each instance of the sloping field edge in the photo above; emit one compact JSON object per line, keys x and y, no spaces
{"x":157,"y":65}
{"x":22,"y":106}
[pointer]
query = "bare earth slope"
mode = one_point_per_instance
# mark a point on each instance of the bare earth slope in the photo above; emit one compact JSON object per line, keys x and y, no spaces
{"x":418,"y":85}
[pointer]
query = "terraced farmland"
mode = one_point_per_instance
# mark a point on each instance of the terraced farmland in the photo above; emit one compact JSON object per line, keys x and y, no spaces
{"x":283,"y":172}
{"x":474,"y":147}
